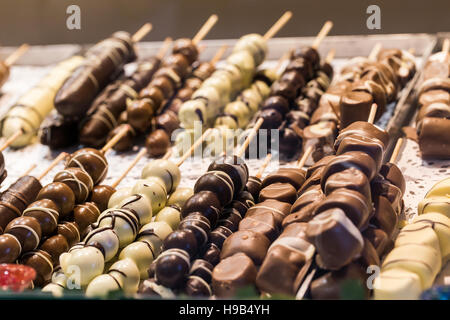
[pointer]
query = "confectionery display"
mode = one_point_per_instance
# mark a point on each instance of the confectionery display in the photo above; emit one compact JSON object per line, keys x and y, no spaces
{"x":433,"y":99}
{"x":253,"y":168}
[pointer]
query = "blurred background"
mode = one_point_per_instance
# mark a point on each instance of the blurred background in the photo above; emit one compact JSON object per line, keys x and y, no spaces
{"x":44,"y":21}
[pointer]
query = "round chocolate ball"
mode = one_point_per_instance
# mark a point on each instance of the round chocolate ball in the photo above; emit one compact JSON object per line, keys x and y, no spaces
{"x":86,"y":213}
{"x":27,"y":230}
{"x":219,"y":235}
{"x":199,"y":225}
{"x":197,"y":287}
{"x":272,"y":119}
{"x":165,"y":85}
{"x":61,"y":195}
{"x":154,"y":94}
{"x":187,"y":48}
{"x":100,"y":196}
{"x":70,"y":231}
{"x":41,"y":262}
{"x":178,"y":63}
{"x":78,"y":180}
{"x":167,"y":121}
{"x":171,"y":268}
{"x":235,"y":168}
{"x":90,"y":160}
{"x":181,"y":239}
{"x":55,"y":246}
{"x":276,"y":102}
{"x":205,"y":202}
{"x":157,"y":143}
{"x":46,"y":212}
{"x":126,"y":142}
{"x":140,"y":114}
{"x":10,"y":248}
{"x":202,"y":268}
{"x":217,"y":182}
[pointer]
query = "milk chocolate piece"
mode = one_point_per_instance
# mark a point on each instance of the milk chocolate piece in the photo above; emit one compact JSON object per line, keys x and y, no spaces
{"x":320,"y":137}
{"x":378,"y":238}
{"x":100,"y":196}
{"x":352,"y":179}
{"x":55,"y":246}
{"x":278,"y":209}
{"x":284,"y":192}
{"x":336,"y":239}
{"x":253,"y":244}
{"x":355,"y":106}
{"x":263,"y":223}
{"x":41,"y":262}
{"x":434,"y":138}
{"x":233,"y":273}
{"x":385,"y":217}
{"x":10,"y":248}
{"x":372,"y":146}
{"x":78,"y":180}
{"x":157,"y":143}
{"x":293,"y":176}
{"x":393,"y":174}
{"x":125,"y":143}
{"x":365,"y":129}
{"x":90,"y":160}
{"x":45,"y":211}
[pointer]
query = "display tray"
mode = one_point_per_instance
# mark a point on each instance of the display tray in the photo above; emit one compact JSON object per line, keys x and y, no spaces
{"x":420,"y":175}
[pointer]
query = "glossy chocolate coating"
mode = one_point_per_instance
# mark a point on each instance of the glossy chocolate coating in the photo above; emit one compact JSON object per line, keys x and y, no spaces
{"x":181,"y":239}
{"x":199,"y":225}
{"x":10,"y":248}
{"x":17,"y":197}
{"x":45,"y":211}
{"x":352,"y":159}
{"x":285,"y":89}
{"x":365,"y":129}
{"x":219,"y":235}
{"x":278,"y":209}
{"x":70,"y":231}
{"x":290,"y":144}
{"x":127,"y":141}
{"x":139,"y":114}
{"x":61,"y":195}
{"x":211,"y":253}
{"x":55,"y":246}
{"x":197,"y":287}
{"x":235,"y":168}
{"x":302,"y":66}
{"x":253,"y":244}
{"x":352,"y":179}
{"x":284,"y":192}
{"x":86,"y":213}
{"x":157,"y":143}
{"x":58,"y":132}
{"x":27,"y":230}
{"x":167,"y":121}
{"x":205,"y":202}
{"x":263,"y":223}
{"x":178,"y":63}
{"x":231,"y":274}
{"x":378,"y":238}
{"x":90,"y":160}
{"x":187,"y":49}
{"x":371,"y":146}
{"x":293,"y":176}
{"x":434,"y":138}
{"x":385,"y":217}
{"x":309,"y":53}
{"x":217,"y":182}
{"x":100,"y":196}
{"x":41,"y":262}
{"x":393,"y":174}
{"x":253,"y":186}
{"x":78,"y":180}
{"x":171,"y":268}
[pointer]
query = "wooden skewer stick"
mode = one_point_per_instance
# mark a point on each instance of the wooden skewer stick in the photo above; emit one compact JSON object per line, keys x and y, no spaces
{"x":250,"y":137}
{"x":16,"y":54}
{"x":11,"y":139}
{"x":162,"y":51}
{"x":168,"y":154}
{"x":446,"y":45}
{"x":142,"y":32}
{"x":219,"y":54}
{"x":396,"y":152}
{"x":301,"y":162}
{"x":264,"y":166}
{"x":31,"y":168}
{"x":277,"y":25}
{"x":130,"y":166}
{"x":193,"y":147}
{"x":330,"y":55}
{"x":372,"y":114}
{"x":281,"y":65}
{"x":375,"y":51}
{"x":60,"y":157}
{"x":207,"y":26}
{"x":326,"y":28}
{"x":111,"y":143}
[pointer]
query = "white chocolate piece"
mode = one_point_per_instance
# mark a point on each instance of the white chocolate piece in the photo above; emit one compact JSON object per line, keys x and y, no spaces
{"x":244,"y":61}
{"x":155,"y":232}
{"x":166,"y":170}
{"x":164,"y":292}
{"x":435,"y":204}
{"x":107,"y":238}
{"x":422,"y":260}
{"x":31,"y":109}
{"x":58,"y":284}
{"x":418,"y":233}
{"x":118,"y":196}
{"x":139,"y":204}
{"x":240,"y":110}
{"x":102,"y":285}
{"x":123,"y":222}
{"x":127,"y":271}
{"x":254,"y":44}
{"x":83,"y":264}
{"x":211,"y":97}
{"x":171,"y":215}
{"x":222,"y":84}
{"x":397,"y":284}
{"x":440,"y":189}
{"x":192,"y":111}
{"x":234,"y":74}
{"x":142,"y":253}
{"x":180,"y":196}
{"x":441,"y":225}
{"x":154,"y":189}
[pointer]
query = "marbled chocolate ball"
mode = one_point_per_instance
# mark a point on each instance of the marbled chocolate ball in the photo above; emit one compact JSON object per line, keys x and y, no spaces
{"x":100,"y":196}
{"x":55,"y":246}
{"x":78,"y":180}
{"x":90,"y":160}
{"x":182,"y":239}
{"x":27,"y":230}
{"x":46,"y":212}
{"x":171,"y":268}
{"x":61,"y":195}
